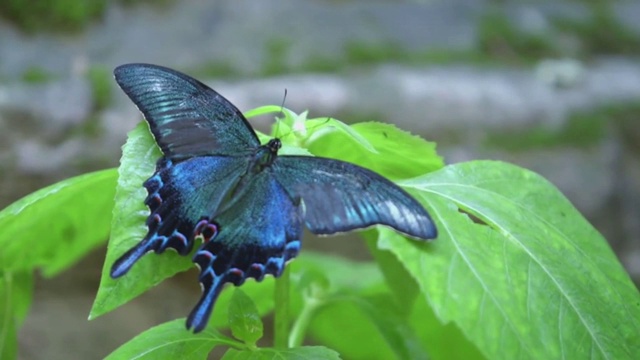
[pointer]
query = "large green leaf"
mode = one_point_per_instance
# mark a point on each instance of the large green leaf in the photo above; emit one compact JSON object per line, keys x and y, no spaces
{"x":342,"y":325}
{"x":402,"y":285}
{"x":443,"y":342}
{"x":400,"y":155}
{"x":394,"y":328}
{"x":342,"y":274}
{"x":527,"y":276}
{"x":54,"y":227}
{"x":139,"y":156}
{"x":171,"y":341}
{"x":304,"y":132}
{"x":299,"y":353}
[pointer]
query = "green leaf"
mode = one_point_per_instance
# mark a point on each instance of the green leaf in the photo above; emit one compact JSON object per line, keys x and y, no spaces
{"x":54,"y":227}
{"x":526,"y":269}
{"x":292,"y":126}
{"x":401,"y":155}
{"x":128,"y":227}
{"x":342,"y":325}
{"x":322,"y":127}
{"x":288,"y":149}
{"x":394,"y":329}
{"x":258,"y":292}
{"x":442,"y":342}
{"x":244,"y":319}
{"x":337,"y":319}
{"x":171,"y":341}
{"x":281,"y":125}
{"x":264,"y":110}
{"x":400,"y":282}
{"x":298,"y":353}
{"x":342,"y":274}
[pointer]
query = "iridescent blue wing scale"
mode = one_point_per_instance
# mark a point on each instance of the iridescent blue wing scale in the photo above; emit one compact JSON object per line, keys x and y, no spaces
{"x":338,"y":196}
{"x":181,"y":196}
{"x":186,"y":117}
{"x":259,"y":233}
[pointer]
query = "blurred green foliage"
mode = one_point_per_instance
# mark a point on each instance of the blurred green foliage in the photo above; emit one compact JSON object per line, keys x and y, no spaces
{"x":500,"y":38}
{"x":36,"y":75}
{"x":100,"y":80}
{"x":58,"y":15}
{"x":276,"y":50}
{"x":582,"y":129}
{"x":599,"y":33}
{"x":602,"y":33}
{"x":39,"y":15}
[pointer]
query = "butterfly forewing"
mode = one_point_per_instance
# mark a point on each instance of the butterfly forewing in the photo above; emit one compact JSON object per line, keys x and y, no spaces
{"x":340,"y":196}
{"x":186,"y":117}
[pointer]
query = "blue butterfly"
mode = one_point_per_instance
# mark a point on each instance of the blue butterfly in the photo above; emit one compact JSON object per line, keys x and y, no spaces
{"x":217,"y":183}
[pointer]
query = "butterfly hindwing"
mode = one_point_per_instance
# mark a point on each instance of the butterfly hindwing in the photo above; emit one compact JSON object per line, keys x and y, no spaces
{"x":340,"y":196}
{"x":259,"y":233}
{"x":186,"y":117}
{"x":180,"y":196}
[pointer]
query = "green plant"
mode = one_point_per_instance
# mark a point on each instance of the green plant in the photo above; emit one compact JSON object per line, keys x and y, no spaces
{"x":36,"y":75}
{"x":602,"y":33}
{"x":516,"y":271}
{"x":33,"y":16}
{"x":36,"y":15}
{"x":276,"y":52}
{"x":100,"y":79}
{"x":499,"y":38}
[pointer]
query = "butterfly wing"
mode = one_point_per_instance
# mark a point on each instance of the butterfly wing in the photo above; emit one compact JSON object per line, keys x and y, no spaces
{"x":340,"y":196}
{"x":182,"y":197}
{"x":186,"y":117}
{"x":258,"y":234}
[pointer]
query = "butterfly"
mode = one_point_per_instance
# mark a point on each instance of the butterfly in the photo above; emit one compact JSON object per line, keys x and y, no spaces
{"x":215,"y":182}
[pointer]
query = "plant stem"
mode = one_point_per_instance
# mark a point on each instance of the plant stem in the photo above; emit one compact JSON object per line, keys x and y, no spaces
{"x":281,"y":316}
{"x":6,"y":283}
{"x":303,"y":320}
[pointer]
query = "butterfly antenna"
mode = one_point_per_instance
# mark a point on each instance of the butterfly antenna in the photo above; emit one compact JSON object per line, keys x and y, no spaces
{"x":284,"y":98}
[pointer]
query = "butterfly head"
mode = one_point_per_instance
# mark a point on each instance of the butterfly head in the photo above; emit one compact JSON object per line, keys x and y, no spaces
{"x":265,"y":155}
{"x":274,"y":145}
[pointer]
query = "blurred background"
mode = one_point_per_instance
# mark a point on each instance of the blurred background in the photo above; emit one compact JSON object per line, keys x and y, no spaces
{"x":553,"y":86}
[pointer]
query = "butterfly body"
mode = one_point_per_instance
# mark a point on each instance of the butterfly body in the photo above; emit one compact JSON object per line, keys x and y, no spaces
{"x":248,"y":205}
